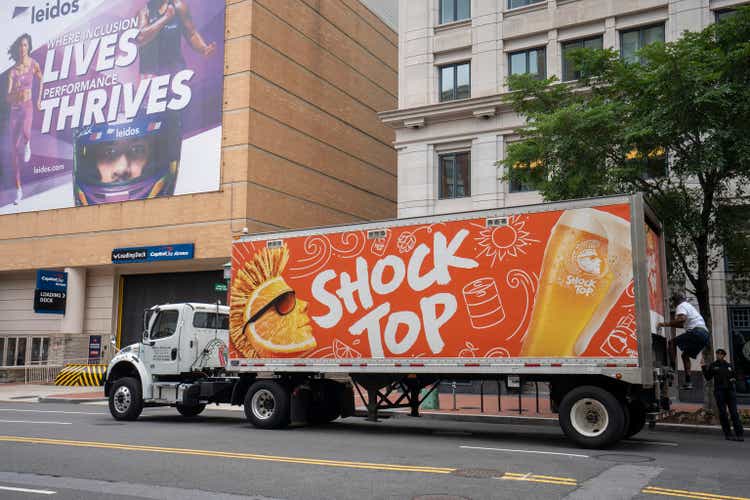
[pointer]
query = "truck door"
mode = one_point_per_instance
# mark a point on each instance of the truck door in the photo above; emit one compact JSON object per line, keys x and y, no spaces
{"x":162,"y":349}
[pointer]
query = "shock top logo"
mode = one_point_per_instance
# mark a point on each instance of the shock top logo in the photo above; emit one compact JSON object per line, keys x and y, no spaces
{"x":51,"y":10}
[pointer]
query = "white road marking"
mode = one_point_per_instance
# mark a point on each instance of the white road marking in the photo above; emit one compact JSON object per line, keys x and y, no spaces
{"x":510,"y":450}
{"x":26,"y":490}
{"x":34,"y":422}
{"x":655,"y":443}
{"x":55,"y":411}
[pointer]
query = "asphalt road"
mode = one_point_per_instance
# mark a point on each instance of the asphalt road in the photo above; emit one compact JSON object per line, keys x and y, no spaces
{"x":64,"y":451}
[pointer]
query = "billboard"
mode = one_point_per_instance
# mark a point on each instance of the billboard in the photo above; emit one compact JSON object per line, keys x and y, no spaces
{"x":556,"y":284}
{"x":109,"y":101}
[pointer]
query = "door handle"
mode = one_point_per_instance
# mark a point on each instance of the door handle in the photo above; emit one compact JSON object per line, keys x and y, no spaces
{"x":174,"y":353}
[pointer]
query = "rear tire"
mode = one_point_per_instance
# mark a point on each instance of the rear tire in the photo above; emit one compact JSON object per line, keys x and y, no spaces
{"x":267,"y":405}
{"x":637,"y":411}
{"x":125,"y":399}
{"x":592,"y":417}
{"x":190,"y":411}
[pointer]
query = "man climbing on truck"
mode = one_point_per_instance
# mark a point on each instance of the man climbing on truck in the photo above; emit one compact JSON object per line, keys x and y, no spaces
{"x":695,"y":338}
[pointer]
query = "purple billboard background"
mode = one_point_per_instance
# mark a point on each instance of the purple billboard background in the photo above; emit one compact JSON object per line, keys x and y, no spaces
{"x":53,"y":153}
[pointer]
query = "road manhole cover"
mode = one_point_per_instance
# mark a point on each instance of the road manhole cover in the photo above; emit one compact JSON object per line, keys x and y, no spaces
{"x":478,"y":473}
{"x":439,"y":497}
{"x":624,"y":459}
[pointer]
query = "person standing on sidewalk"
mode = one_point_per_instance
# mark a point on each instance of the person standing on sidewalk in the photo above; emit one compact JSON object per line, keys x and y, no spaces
{"x":723,"y":376}
{"x":695,"y":338}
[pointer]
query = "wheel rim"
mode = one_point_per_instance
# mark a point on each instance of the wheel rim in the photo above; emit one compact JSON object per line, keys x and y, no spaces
{"x":122,"y":399}
{"x":263,"y":404}
{"x":589,"y":417}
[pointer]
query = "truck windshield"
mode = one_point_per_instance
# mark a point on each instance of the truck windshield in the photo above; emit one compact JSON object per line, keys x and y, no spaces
{"x":211,"y":320}
{"x":164,"y":325}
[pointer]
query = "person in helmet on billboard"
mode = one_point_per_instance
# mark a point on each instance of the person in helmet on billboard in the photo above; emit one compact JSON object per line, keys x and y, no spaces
{"x":127,"y":160}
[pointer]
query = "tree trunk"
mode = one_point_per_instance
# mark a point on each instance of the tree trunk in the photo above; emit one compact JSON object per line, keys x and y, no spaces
{"x":702,"y":295}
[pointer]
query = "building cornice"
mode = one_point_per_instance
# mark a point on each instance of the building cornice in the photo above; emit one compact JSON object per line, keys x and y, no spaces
{"x":421,"y":116}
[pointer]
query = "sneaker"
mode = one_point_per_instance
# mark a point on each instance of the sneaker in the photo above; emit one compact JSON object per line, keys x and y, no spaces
{"x":739,"y":438}
{"x":729,"y":438}
{"x":27,"y":152}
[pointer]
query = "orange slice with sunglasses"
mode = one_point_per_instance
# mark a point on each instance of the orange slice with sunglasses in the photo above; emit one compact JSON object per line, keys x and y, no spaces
{"x":276,"y":322}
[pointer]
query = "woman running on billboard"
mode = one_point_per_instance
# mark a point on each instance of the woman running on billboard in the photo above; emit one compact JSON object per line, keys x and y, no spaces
{"x":20,"y":82}
{"x":163,"y":24}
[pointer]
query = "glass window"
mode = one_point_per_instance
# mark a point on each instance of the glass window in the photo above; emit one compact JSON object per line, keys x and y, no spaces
{"x":454,"y":10}
{"x":164,"y":325}
{"x":455,"y":176}
{"x":211,"y":320}
{"x":724,"y":14}
{"x":455,"y":82}
{"x":36,"y":347}
{"x":2,"y":350}
{"x":21,"y":352}
{"x":10,"y":352}
{"x":45,"y":350}
{"x":568,"y":69}
{"x":654,"y":163}
{"x":632,"y":41}
{"x":512,"y":4}
{"x":532,"y":61}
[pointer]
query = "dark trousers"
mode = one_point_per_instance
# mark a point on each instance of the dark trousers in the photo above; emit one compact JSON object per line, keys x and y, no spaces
{"x":727,"y":398}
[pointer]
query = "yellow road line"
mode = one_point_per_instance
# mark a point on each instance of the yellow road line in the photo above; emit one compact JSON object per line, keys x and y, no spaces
{"x":226,"y":454}
{"x":532,"y":480}
{"x":554,"y":478}
{"x":655,"y":490}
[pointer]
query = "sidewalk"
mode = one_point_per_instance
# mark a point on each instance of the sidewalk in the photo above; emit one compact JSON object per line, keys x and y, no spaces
{"x":32,"y":393}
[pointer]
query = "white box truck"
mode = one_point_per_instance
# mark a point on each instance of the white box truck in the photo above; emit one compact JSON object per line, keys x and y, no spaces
{"x":565,"y":293}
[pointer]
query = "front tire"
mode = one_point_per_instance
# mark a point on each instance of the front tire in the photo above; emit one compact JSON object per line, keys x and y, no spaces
{"x":267,"y":405}
{"x":125,"y":399}
{"x":592,"y":417}
{"x":190,"y":411}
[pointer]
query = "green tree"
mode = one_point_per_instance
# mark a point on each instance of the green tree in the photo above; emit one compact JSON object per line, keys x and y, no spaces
{"x":675,"y":126}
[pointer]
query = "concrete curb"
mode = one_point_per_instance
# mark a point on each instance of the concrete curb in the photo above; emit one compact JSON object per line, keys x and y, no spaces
{"x":53,"y":399}
{"x":543,"y":421}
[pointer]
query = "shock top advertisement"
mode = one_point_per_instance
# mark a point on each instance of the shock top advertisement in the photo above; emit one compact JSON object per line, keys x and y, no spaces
{"x":542,"y":285}
{"x":108,"y":101}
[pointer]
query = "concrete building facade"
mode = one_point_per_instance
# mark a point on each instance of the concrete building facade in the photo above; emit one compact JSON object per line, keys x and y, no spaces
{"x":302,"y":146}
{"x":454,"y":60}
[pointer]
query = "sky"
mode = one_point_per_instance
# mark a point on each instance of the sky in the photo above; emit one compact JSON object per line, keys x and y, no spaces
{"x":386,"y":9}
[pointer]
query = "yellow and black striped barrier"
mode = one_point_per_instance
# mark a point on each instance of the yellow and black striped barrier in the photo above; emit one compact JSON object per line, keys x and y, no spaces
{"x":81,"y":375}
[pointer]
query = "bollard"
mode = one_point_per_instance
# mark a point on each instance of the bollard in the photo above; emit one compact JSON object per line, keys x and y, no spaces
{"x":453,"y":390}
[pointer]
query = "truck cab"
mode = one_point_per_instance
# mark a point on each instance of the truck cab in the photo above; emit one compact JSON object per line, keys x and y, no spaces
{"x":182,"y":343}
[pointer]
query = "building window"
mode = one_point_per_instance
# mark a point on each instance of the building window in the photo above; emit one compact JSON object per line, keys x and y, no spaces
{"x":512,"y":4}
{"x":39,"y":350}
{"x":532,"y":62}
{"x":455,"y":82}
{"x":724,"y":14}
{"x":568,"y":70}
{"x":455,"y":175}
{"x":10,"y":352}
{"x":2,"y":351}
{"x":654,"y":163}
{"x":454,"y":10}
{"x":632,"y":41}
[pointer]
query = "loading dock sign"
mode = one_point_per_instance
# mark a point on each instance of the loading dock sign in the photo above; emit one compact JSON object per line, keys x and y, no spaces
{"x":51,"y":292}
{"x":153,"y":254}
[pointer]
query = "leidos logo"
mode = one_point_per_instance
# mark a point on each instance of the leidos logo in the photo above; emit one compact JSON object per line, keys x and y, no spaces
{"x":51,"y":10}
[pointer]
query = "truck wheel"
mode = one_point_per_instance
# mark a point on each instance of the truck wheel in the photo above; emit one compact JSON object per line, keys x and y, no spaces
{"x":125,"y":400}
{"x":637,"y":412}
{"x":592,"y":417}
{"x":190,"y":411}
{"x":267,"y":405}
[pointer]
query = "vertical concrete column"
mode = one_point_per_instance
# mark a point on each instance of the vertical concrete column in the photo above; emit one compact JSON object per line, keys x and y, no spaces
{"x":554,"y":63}
{"x":611,"y":40}
{"x":71,"y":326}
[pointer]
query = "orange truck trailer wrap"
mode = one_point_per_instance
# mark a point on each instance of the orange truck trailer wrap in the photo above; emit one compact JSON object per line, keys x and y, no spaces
{"x":560,"y":286}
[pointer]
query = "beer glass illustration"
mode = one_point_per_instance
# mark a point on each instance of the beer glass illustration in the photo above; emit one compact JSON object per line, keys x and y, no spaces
{"x":483,"y":303}
{"x":586,"y":267}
